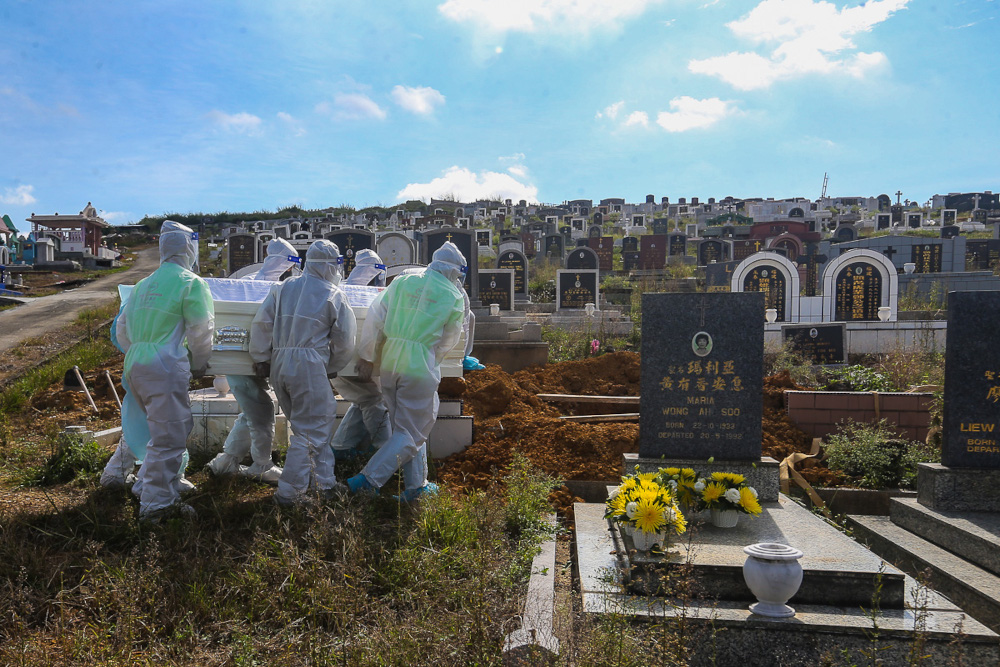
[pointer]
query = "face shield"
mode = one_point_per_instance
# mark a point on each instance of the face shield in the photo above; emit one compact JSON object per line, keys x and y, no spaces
{"x":449,"y":261}
{"x":368,"y":269}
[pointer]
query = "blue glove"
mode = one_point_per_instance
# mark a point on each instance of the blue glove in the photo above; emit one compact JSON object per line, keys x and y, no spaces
{"x":472,"y":364}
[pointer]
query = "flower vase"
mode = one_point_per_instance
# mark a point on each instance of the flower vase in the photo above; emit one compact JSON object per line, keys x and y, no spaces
{"x":725,"y":518}
{"x":644,"y":541}
{"x":773,"y":574}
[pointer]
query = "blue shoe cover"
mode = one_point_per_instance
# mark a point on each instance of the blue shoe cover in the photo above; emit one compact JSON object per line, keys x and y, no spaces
{"x":428,"y":489}
{"x":472,"y":364}
{"x":359,"y":483}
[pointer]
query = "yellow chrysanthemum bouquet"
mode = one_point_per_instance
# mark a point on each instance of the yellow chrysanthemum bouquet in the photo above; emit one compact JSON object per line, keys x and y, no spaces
{"x":642,"y":504}
{"x":727,"y":491}
{"x":681,"y":481}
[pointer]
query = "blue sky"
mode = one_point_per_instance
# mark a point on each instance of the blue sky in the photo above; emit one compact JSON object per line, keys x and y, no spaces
{"x":178,"y":106}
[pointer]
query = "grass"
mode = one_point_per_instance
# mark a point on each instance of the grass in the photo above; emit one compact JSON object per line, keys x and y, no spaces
{"x":362,"y":581}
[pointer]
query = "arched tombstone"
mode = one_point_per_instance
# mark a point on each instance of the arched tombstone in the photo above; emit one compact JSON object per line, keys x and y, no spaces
{"x":789,"y":242}
{"x":677,"y":243}
{"x":598,"y":219}
{"x":845,"y":234}
{"x":516,"y":260}
{"x":712,"y":250}
{"x":395,"y":248}
{"x":350,"y":242}
{"x":595,"y":232}
{"x":554,"y":246}
{"x":776,"y":277}
{"x":582,"y":257}
{"x":856,"y":284}
{"x":241,"y":250}
{"x":796,"y":213}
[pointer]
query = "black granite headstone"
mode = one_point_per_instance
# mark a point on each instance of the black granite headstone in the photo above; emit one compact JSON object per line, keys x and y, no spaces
{"x":465,"y":240}
{"x":677,"y":244}
{"x":630,"y":260}
{"x":554,"y":247}
{"x":769,"y":280}
{"x":701,"y":376}
{"x":858,"y":292}
{"x":350,"y":242}
{"x":821,"y":344}
{"x":845,"y":234}
{"x":913,"y":220}
{"x":719,"y":276}
{"x":972,"y":382}
{"x":582,"y":257}
{"x":575,"y":289}
{"x":515,"y":259}
{"x":927,"y":257}
{"x":883,"y":220}
{"x":949,"y":231}
{"x":497,"y":286}
{"x":483,"y":237}
{"x":594,"y":232}
{"x":630,"y":244}
{"x":242,"y":251}
{"x":709,"y":251}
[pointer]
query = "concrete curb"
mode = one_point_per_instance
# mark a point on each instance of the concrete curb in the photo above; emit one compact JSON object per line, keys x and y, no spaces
{"x":535,"y":642}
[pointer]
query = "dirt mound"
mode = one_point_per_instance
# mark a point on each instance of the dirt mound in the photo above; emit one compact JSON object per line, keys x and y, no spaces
{"x":509,"y":418}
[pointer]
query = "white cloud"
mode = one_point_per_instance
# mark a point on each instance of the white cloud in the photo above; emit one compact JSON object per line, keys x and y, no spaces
{"x":518,"y":170}
{"x":352,"y":106}
{"x":115,"y":217}
{"x":466,"y":185}
{"x":19,"y":196}
{"x":800,"y":37}
{"x":293,"y":123}
{"x":573,"y":16}
{"x":515,"y":157}
{"x":691,"y":114}
{"x":636,"y":118}
{"x":420,"y":100}
{"x":242,"y":123}
{"x":611,"y":111}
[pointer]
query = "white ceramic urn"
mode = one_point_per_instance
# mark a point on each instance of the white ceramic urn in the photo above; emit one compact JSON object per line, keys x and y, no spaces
{"x":773,"y":574}
{"x":221,"y":385}
{"x":884,"y":313}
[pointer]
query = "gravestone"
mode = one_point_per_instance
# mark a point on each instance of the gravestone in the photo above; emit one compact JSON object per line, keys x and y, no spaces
{"x":845,"y":234}
{"x":710,"y":250}
{"x":914,"y":220}
{"x":594,"y":232}
{"x":701,"y":377}
{"x":350,"y":242}
{"x":820,"y":344}
{"x":691,"y":230}
{"x":516,"y":260}
{"x":598,"y":219}
{"x":554,"y":247}
{"x":811,"y":259}
{"x":630,"y":260}
{"x":769,"y":280}
{"x":949,"y":231}
{"x":660,"y":226}
{"x":927,"y":257}
{"x":575,"y":289}
{"x":497,"y":286}
{"x":719,"y":276}
{"x":676,"y":244}
{"x":582,"y":257}
{"x":972,"y":383}
{"x":605,"y":249}
{"x":484,"y":237}
{"x":630,"y":244}
{"x":949,"y":216}
{"x":981,"y":254}
{"x":241,"y":251}
{"x":883,"y":220}
{"x":857,"y":292}
{"x":465,"y":241}
{"x":529,"y":244}
{"x":743,"y":249}
{"x":395,"y":248}
{"x":653,"y":251}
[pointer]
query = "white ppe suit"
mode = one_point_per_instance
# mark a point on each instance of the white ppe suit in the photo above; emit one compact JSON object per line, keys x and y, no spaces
{"x":253,"y":432}
{"x":306,"y":330}
{"x":410,"y":327}
{"x":170,"y":306}
{"x":367,"y":417}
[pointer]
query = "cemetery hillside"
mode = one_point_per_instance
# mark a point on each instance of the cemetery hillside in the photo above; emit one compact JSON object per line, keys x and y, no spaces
{"x":677,"y":431}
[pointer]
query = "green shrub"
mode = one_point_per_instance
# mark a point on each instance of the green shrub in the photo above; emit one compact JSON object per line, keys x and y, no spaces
{"x":874,"y":457}
{"x":857,"y":378}
{"x":527,"y":497}
{"x":74,"y":457}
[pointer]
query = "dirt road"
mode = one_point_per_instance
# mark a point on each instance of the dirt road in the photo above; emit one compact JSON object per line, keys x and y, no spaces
{"x":48,"y":314}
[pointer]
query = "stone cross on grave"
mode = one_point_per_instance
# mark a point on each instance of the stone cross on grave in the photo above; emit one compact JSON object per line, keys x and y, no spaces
{"x":899,"y":193}
{"x":811,"y":259}
{"x":889,"y":252}
{"x":702,"y":308}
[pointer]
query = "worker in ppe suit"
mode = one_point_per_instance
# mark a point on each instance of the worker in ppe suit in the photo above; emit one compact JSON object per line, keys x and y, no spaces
{"x":367,"y":419}
{"x":131,"y":448}
{"x":302,"y":335}
{"x":253,"y":432}
{"x":166,"y":309}
{"x":409,"y":329}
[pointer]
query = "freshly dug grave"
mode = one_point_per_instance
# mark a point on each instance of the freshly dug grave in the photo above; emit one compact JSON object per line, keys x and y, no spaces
{"x":510,"y":418}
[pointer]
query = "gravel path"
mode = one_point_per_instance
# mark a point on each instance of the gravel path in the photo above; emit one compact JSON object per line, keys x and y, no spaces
{"x":48,"y":314}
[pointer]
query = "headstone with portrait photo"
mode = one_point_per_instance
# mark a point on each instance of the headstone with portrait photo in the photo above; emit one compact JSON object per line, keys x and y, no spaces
{"x":497,"y":286}
{"x":576,"y":288}
{"x":701,"y":377}
{"x":819,"y":344}
{"x":515,"y":260}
